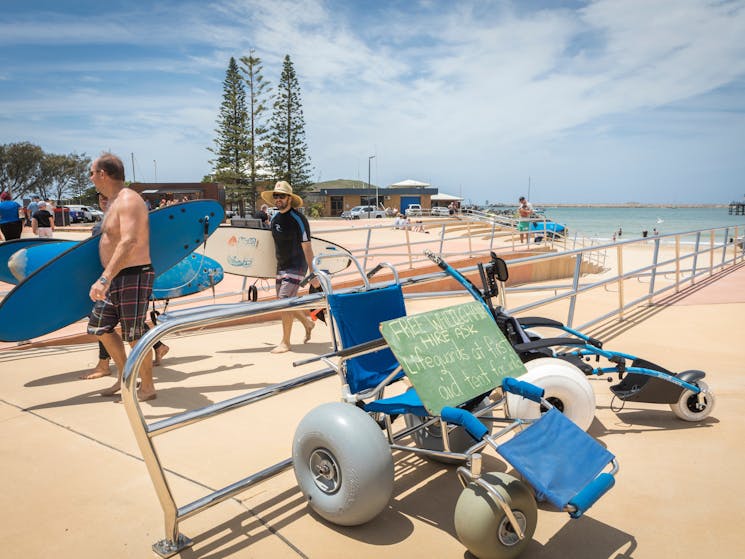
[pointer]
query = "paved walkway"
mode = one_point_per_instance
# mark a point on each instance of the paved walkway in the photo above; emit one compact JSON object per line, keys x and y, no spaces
{"x":76,"y":486}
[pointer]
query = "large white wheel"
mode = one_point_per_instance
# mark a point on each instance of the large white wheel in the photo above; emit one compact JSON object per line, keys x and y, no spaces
{"x":343,"y":464}
{"x":482,"y":525}
{"x":431,"y":437}
{"x":566,"y":387}
{"x":688,"y":407}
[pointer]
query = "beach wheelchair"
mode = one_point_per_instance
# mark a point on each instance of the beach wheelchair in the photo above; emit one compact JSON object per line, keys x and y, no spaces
{"x":571,"y":354}
{"x":459,"y":366}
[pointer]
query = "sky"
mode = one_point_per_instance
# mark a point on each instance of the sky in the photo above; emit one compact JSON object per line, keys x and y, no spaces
{"x":606,"y":101}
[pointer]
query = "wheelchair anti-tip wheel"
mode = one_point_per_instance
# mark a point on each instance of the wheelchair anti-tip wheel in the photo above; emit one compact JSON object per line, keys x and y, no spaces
{"x":482,"y":525}
{"x":343,"y":464}
{"x":566,"y":387}
{"x":430,"y":437}
{"x":688,"y":407}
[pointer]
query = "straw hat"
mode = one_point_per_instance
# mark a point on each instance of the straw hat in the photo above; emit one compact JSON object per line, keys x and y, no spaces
{"x":282,"y":187}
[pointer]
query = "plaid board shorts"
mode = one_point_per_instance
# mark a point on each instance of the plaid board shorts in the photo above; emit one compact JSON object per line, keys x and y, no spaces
{"x":126,"y":304}
{"x":288,"y":283}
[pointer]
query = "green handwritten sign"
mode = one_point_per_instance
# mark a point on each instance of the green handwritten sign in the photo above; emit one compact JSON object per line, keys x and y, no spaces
{"x":451,"y":355}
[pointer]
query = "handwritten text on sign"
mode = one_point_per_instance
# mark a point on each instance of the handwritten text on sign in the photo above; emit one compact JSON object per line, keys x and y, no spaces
{"x":451,"y":355}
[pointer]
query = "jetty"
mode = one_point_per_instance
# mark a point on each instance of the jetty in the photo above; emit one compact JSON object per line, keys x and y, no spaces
{"x":737,"y":208}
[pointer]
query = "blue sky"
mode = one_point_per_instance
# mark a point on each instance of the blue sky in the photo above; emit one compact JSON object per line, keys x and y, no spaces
{"x":607,"y":101}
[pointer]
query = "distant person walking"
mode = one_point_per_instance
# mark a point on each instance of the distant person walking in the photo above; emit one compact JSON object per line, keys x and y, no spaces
{"x":11,"y":222}
{"x":291,"y":233}
{"x":42,"y":222}
{"x":524,"y":213}
{"x":33,"y":207}
{"x":122,"y":294}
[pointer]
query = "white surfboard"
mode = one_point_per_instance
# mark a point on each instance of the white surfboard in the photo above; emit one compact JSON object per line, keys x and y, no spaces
{"x":249,"y":252}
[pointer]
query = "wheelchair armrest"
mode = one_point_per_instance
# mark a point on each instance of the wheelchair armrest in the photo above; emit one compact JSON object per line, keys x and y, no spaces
{"x":591,"y":494}
{"x":465,"y":419}
{"x":548,"y":342}
{"x":539,"y":321}
{"x":522,"y":388}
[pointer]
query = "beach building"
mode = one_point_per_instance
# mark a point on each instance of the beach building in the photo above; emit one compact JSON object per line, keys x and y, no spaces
{"x":339,"y":195}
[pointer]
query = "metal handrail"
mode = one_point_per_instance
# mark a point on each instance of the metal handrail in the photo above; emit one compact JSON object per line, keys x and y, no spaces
{"x":181,"y":320}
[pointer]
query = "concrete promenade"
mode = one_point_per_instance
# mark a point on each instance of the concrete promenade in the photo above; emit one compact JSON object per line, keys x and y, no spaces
{"x":75,"y":485}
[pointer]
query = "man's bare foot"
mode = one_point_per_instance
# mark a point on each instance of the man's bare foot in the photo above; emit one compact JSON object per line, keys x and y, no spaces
{"x":160,"y":353}
{"x":116,"y":387}
{"x":146,"y":396}
{"x":101,"y":370}
{"x":281,"y":348}
{"x":308,"y":330}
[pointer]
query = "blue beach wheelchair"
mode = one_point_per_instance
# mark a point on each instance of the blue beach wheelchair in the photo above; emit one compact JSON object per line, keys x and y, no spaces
{"x":639,"y":380}
{"x":459,"y":367}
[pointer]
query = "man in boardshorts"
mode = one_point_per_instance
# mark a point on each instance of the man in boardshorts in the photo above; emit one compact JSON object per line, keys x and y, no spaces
{"x":122,"y":293}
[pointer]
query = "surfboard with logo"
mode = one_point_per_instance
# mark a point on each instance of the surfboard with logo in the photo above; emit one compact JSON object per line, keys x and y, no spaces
{"x":62,"y":285}
{"x":249,"y":252}
{"x":9,"y":248}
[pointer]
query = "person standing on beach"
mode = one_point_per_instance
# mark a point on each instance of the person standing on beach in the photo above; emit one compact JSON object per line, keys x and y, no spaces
{"x":42,"y":222}
{"x":291,"y":233}
{"x":524,"y":212}
{"x":122,"y":293}
{"x":11,"y":223}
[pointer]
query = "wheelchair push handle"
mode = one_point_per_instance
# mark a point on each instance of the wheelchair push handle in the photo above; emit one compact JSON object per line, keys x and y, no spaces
{"x":524,"y":389}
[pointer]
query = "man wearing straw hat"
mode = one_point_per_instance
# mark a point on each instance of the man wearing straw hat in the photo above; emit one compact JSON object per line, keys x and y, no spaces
{"x":292,"y":246}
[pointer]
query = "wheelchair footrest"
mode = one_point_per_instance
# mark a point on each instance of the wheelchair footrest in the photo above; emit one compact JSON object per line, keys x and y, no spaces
{"x":557,"y":458}
{"x":591,"y":494}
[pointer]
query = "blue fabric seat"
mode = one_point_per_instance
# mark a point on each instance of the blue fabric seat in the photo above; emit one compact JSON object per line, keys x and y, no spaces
{"x":408,"y":402}
{"x":357,"y":317}
{"x":556,"y":457}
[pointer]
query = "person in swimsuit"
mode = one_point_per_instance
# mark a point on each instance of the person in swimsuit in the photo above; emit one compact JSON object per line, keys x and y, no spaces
{"x":122,"y":293}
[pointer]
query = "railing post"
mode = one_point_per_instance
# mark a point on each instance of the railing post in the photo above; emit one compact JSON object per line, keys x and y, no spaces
{"x":677,"y":263}
{"x":442,"y":238}
{"x":470,"y":249}
{"x":711,"y":253}
{"x":653,"y":276}
{"x":491,"y":239}
{"x":619,"y":259}
{"x":367,"y":247}
{"x":575,"y":285}
{"x":408,"y":248}
{"x":724,"y":248}
{"x":695,"y":257}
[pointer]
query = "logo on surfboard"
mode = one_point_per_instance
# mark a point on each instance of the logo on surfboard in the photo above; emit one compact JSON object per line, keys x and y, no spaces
{"x":236,"y":246}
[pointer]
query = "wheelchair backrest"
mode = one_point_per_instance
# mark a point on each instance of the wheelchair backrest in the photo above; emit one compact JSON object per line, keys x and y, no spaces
{"x":358,"y":316}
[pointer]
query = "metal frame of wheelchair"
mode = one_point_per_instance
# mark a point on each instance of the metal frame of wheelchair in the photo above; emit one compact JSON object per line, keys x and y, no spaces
{"x":343,"y":464}
{"x":688,"y":396}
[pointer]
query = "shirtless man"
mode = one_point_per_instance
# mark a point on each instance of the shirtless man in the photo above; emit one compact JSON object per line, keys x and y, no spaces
{"x":122,"y":292}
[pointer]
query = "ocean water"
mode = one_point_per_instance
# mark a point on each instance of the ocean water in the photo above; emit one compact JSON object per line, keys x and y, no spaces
{"x":601,"y":222}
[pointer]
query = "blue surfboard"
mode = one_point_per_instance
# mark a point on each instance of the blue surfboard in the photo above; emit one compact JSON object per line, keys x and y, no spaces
{"x":62,"y":285}
{"x":9,"y":248}
{"x":26,"y":261}
{"x":193,"y":274}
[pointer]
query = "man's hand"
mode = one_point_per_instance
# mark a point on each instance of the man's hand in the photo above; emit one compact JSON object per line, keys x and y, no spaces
{"x":98,"y":291}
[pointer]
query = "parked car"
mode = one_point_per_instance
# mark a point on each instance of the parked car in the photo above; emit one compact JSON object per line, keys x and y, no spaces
{"x":73,"y":214}
{"x":414,"y":209}
{"x":89,"y":214}
{"x":363,"y":212}
{"x":440,"y":211}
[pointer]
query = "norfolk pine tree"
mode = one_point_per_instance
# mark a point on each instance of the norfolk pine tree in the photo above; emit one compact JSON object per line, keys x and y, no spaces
{"x":287,"y":153}
{"x":232,"y":142}
{"x":257,"y":89}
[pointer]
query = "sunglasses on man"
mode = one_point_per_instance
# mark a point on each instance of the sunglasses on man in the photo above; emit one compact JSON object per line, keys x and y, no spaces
{"x":280,"y":196}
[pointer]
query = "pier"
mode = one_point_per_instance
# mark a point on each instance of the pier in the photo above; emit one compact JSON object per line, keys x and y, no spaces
{"x":737,"y":208}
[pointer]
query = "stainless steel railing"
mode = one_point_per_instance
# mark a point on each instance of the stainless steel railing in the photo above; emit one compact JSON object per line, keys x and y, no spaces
{"x":711,"y":251}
